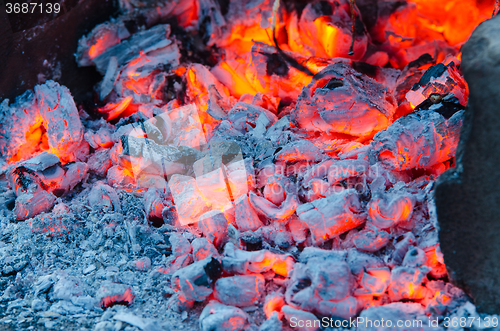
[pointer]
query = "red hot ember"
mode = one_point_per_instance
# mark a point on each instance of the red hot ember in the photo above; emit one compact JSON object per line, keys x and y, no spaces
{"x":237,"y":158}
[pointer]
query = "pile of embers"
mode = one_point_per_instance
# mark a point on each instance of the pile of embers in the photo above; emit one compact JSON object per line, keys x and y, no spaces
{"x":238,"y":163}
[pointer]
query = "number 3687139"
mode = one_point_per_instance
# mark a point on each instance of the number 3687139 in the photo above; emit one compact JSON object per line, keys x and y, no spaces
{"x":32,"y":7}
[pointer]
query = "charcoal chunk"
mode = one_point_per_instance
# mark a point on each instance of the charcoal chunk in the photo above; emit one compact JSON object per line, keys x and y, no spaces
{"x":218,"y":317}
{"x":340,"y":99}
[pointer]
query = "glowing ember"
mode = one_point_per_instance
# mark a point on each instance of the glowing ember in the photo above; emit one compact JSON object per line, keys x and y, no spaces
{"x":339,"y":102}
{"x":118,"y":299}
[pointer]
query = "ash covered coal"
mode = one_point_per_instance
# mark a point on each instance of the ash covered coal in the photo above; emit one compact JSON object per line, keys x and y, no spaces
{"x":282,"y":182}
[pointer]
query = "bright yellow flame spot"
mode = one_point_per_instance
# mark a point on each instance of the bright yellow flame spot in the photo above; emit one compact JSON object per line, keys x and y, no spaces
{"x":93,"y":51}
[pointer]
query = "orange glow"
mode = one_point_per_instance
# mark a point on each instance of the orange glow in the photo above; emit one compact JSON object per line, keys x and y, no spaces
{"x":180,"y":71}
{"x":411,"y":290}
{"x":283,"y":86}
{"x":233,"y":323}
{"x":186,"y":12}
{"x":267,"y":261}
{"x":435,"y":262}
{"x":128,"y":173}
{"x":103,"y":42}
{"x":280,"y":264}
{"x":374,"y":282}
{"x":121,"y":299}
{"x":236,"y":83}
{"x":34,"y":141}
{"x":203,"y":253}
{"x":454,"y":19}
{"x":325,"y":35}
{"x":113,"y":110}
{"x":242,"y":37}
{"x":385,"y":213}
{"x":381,"y":274}
{"x":93,"y":52}
{"x":269,"y":91}
{"x":441,"y":297}
{"x":329,"y":34}
{"x":435,"y":27}
{"x":280,"y":268}
{"x":55,"y":230}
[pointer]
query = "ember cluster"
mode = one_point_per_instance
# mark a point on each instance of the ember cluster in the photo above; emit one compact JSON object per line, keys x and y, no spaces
{"x":239,"y":167}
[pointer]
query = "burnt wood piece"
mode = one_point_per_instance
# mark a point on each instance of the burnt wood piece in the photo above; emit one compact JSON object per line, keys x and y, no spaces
{"x":468,"y":196}
{"x":38,"y":47}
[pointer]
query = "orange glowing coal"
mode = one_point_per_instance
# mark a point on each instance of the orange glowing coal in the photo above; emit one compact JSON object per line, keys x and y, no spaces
{"x":454,"y":19}
{"x":389,"y":210}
